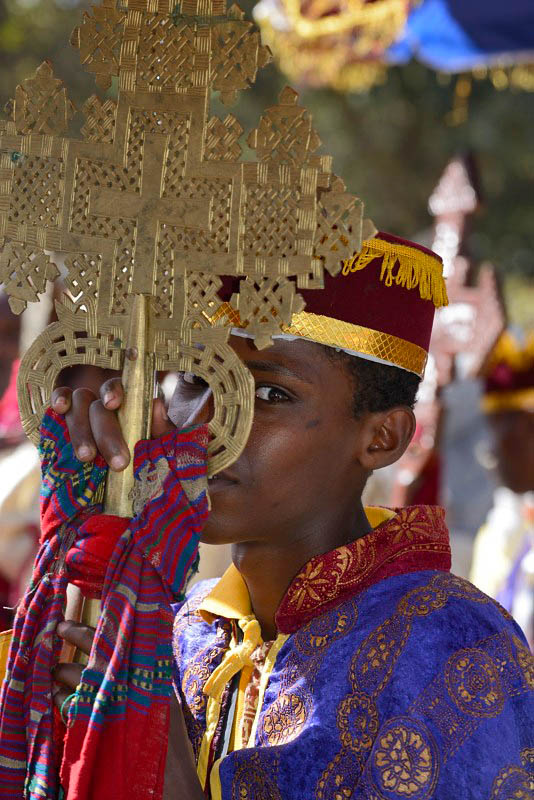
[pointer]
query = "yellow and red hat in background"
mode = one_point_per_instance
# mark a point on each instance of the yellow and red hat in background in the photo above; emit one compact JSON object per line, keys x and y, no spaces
{"x":509,"y":374}
{"x":380,"y":306}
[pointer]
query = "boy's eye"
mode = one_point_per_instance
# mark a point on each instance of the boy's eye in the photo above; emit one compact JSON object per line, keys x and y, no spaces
{"x":271,"y":394}
{"x":192,"y":379}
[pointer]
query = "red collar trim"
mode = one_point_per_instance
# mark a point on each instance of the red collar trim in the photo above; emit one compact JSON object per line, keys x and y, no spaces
{"x":415,"y":539}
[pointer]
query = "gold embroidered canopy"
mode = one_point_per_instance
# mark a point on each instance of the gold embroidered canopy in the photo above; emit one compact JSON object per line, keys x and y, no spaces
{"x":154,"y":203}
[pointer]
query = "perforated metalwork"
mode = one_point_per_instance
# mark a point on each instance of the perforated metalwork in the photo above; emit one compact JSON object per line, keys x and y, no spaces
{"x":154,"y":201}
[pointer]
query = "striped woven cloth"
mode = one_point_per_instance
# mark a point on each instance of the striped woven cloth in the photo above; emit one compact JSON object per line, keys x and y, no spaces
{"x":116,"y":738}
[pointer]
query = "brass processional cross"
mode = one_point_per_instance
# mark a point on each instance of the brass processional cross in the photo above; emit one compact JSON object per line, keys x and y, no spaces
{"x":154,"y":204}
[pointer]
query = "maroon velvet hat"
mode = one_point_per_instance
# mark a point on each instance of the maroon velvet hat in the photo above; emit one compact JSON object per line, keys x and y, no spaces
{"x":380,"y":306}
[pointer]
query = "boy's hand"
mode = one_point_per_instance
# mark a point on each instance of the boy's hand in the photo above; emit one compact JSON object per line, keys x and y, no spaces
{"x":68,"y":676}
{"x":180,"y":769}
{"x":93,"y":424}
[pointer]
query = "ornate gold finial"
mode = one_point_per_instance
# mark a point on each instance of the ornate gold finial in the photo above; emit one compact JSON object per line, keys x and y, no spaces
{"x":153,"y":204}
{"x":332,"y":43}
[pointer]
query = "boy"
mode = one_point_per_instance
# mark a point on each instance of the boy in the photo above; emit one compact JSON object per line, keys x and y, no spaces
{"x":337,"y":657}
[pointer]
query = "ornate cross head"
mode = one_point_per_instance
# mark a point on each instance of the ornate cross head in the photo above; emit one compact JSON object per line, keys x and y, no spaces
{"x":155,"y":202}
{"x":475,"y":317}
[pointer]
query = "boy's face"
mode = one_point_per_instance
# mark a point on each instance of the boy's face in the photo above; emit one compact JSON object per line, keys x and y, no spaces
{"x":299,"y":464}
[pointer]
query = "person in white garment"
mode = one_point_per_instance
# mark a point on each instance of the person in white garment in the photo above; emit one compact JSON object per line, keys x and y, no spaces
{"x":503,"y":556}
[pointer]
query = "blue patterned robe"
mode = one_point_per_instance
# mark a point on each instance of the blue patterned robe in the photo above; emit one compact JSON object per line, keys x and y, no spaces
{"x":417,"y":686}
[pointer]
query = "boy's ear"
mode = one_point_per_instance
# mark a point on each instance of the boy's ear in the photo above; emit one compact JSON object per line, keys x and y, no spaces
{"x":386,"y":435}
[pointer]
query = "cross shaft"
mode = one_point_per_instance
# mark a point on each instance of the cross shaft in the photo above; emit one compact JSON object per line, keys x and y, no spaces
{"x":149,"y":209}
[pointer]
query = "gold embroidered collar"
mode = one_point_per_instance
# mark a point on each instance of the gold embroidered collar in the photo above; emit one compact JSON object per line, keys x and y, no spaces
{"x":405,"y":540}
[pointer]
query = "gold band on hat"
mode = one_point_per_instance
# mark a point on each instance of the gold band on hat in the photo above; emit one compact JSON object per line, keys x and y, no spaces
{"x":356,"y":339}
{"x":515,"y":400}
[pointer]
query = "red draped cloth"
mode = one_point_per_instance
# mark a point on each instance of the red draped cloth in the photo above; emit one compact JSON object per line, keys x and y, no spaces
{"x":117,"y":728}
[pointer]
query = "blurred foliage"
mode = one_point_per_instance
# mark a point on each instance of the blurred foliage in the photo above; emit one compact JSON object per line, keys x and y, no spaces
{"x":390,"y":145}
{"x":32,"y":31}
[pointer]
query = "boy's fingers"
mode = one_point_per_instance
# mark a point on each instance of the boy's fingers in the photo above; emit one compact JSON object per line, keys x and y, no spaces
{"x":161,"y":423}
{"x":79,"y":424}
{"x":77,"y":634}
{"x":108,"y":436}
{"x":112,"y":394}
{"x":61,"y":399}
{"x":60,"y":695}
{"x":67,"y":676}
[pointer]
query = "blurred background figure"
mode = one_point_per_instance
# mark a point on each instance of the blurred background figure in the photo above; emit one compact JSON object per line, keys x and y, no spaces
{"x":19,"y":474}
{"x":503,"y":555}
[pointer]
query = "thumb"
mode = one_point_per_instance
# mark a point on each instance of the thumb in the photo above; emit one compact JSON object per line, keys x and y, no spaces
{"x":161,"y":423}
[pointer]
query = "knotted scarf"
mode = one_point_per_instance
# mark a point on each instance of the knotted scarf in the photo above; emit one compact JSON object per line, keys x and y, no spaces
{"x":117,"y":727}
